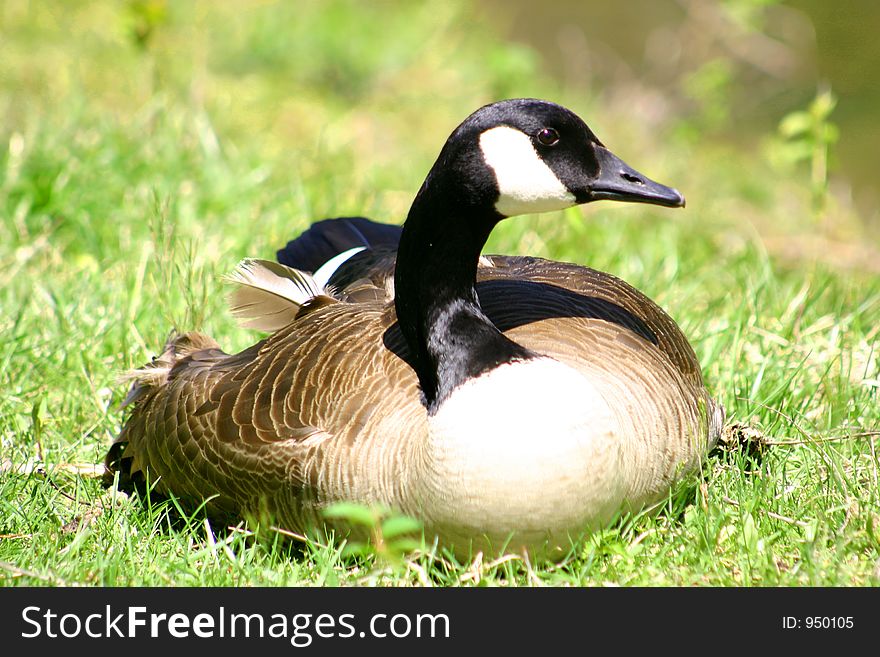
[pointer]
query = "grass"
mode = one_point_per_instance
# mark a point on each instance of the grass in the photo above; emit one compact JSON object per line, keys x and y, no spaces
{"x":127,"y":188}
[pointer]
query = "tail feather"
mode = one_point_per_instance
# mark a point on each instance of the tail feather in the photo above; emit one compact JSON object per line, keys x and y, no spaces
{"x":121,"y":461}
{"x":268,"y":296}
{"x":330,"y":237}
{"x":155,"y":373}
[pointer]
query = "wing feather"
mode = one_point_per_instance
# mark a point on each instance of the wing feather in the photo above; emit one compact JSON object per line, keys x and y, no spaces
{"x":268,"y":295}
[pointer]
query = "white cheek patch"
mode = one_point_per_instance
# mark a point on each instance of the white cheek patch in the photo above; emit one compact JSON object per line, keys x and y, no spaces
{"x":526,"y":184}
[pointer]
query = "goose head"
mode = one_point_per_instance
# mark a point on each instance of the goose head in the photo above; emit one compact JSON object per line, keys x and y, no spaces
{"x":509,"y":158}
{"x":526,"y":156}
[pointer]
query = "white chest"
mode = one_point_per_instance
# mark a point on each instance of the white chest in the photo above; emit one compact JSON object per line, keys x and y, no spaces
{"x":528,"y":447}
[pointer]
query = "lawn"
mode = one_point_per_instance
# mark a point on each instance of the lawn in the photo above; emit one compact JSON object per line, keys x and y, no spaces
{"x":146,"y":148}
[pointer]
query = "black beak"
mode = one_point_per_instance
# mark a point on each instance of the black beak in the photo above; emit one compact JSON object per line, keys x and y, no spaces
{"x":617,"y":181}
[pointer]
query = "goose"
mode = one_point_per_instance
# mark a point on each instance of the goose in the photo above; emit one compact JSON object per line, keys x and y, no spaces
{"x":510,"y":403}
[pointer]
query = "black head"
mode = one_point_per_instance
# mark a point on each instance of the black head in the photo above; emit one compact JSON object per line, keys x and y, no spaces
{"x":531,"y":155}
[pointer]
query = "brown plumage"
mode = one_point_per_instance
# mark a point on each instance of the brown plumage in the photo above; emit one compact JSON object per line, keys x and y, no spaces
{"x":289,"y":425}
{"x":330,"y":408}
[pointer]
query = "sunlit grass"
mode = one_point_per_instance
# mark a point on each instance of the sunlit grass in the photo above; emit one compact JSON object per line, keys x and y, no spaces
{"x":126,"y":190}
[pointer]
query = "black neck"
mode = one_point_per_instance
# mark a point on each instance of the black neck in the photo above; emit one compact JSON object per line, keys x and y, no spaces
{"x":450,"y":337}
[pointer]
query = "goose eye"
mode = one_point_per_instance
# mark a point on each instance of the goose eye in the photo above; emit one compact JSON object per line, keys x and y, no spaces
{"x":548,"y":136}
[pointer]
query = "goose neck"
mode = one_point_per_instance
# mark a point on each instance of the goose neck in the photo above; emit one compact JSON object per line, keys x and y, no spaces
{"x":450,"y":338}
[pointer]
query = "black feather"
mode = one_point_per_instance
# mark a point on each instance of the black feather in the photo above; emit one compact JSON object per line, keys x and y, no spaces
{"x":330,"y":237}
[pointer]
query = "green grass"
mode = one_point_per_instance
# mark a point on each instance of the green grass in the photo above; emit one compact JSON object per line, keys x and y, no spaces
{"x":134,"y":173}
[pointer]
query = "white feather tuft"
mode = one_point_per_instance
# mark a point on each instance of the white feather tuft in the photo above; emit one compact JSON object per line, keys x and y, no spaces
{"x":323,"y":274}
{"x":269,"y":295}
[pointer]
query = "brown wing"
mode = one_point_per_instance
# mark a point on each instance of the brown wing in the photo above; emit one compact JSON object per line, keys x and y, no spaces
{"x":286,"y":422}
{"x":517,"y":290}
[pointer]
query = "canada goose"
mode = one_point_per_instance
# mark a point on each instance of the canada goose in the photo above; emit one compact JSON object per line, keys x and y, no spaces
{"x":514,"y":408}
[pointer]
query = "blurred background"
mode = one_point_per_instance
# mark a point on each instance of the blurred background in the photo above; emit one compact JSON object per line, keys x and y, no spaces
{"x":734,"y":69}
{"x":146,"y":146}
{"x":762,"y":112}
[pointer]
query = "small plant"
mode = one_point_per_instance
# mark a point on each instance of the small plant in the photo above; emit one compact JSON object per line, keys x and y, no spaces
{"x":807,"y":136}
{"x":390,"y":535}
{"x":146,"y":17}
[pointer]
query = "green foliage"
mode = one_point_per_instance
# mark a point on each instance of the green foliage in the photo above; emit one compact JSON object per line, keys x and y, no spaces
{"x":146,"y":17}
{"x":807,"y":136}
{"x":391,"y":535}
{"x":748,"y":14}
{"x":710,"y":88}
